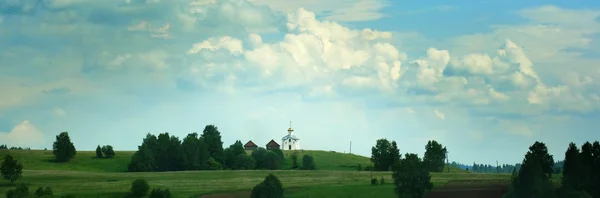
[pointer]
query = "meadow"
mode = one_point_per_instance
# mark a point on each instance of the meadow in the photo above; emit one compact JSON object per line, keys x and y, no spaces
{"x":86,"y":176}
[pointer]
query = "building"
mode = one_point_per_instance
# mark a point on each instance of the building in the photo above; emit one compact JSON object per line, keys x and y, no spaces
{"x":290,"y":141}
{"x":272,"y":145}
{"x":250,"y":146}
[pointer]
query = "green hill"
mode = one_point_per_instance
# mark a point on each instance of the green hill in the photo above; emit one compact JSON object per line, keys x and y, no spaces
{"x":86,"y":161}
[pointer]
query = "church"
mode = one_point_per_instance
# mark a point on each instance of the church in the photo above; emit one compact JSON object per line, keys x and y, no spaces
{"x":290,"y":141}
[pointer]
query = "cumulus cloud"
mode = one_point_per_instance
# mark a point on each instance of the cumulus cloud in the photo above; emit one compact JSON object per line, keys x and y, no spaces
{"x":25,"y":134}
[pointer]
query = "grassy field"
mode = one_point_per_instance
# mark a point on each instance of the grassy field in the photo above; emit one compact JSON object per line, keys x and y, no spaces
{"x":86,"y":176}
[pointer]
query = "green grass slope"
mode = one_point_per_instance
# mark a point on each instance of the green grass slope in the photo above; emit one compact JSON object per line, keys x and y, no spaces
{"x":84,"y":161}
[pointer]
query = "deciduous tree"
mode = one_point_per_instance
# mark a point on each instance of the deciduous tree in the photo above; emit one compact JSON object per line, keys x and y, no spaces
{"x":11,"y":170}
{"x":435,"y":155}
{"x":63,"y":149}
{"x":411,"y":178}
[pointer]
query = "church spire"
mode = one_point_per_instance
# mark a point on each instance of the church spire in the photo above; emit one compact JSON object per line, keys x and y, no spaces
{"x":290,"y":130}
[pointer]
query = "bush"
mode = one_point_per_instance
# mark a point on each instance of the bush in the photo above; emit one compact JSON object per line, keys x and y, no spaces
{"x":270,"y":188}
{"x":108,"y":151}
{"x":373,"y":181}
{"x":308,"y":163}
{"x":244,"y":162}
{"x":21,"y":191}
{"x":11,"y":169}
{"x":43,"y":192}
{"x":214,"y":165}
{"x":369,"y":168}
{"x":159,"y":193}
{"x":359,"y":167}
{"x":381,"y":181}
{"x":139,"y":188}
{"x":294,"y":160}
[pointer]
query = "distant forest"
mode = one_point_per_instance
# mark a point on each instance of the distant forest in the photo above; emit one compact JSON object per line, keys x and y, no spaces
{"x":504,"y":168}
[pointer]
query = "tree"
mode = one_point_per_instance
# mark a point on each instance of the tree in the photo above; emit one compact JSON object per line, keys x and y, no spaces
{"x":272,"y":161}
{"x":572,"y":173}
{"x":294,"y":160}
{"x":142,"y":160}
{"x":308,"y":163}
{"x":411,"y":178}
{"x":270,"y":188}
{"x":139,"y":187}
{"x":258,"y":155}
{"x":108,"y":151}
{"x":595,"y":192}
{"x":213,"y":164}
{"x":63,"y":149}
{"x":98,"y":152}
{"x":586,"y":165}
{"x":11,"y":170}
{"x":195,"y":155}
{"x":244,"y":162}
{"x":212,"y":137}
{"x":3,"y":147}
{"x":435,"y":155}
{"x":384,"y":154}
{"x":533,"y":180}
{"x":44,"y":192}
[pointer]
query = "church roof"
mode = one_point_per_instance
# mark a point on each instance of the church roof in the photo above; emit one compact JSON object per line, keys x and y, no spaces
{"x":272,"y":143}
{"x":288,"y":136}
{"x":250,"y":144}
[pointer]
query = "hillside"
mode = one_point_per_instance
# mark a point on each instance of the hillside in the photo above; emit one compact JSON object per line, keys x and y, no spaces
{"x":86,"y":161}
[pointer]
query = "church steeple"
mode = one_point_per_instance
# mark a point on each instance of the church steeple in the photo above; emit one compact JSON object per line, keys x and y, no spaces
{"x":290,"y":130}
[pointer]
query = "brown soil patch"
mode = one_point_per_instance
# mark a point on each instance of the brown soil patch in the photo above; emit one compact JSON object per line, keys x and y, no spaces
{"x":239,"y":194}
{"x":469,"y":191}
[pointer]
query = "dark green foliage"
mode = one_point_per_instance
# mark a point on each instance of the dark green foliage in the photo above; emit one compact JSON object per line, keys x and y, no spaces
{"x":3,"y":147}
{"x":586,"y":160}
{"x":21,"y":191}
{"x":373,"y":181}
{"x":11,"y":170}
{"x":108,"y":151}
{"x":411,"y":178}
{"x":213,"y":164}
{"x":270,"y":188}
{"x":244,"y":162}
{"x":63,"y":149}
{"x":384,"y":154}
{"x":278,"y":152}
{"x":359,"y":167}
{"x":212,"y":138}
{"x":595,"y":175}
{"x":139,"y":188}
{"x":294,"y":160}
{"x":98,"y":152}
{"x":230,"y":154}
{"x":572,"y":170}
{"x":44,"y":192}
{"x":381,"y":181}
{"x":68,"y":196}
{"x":533,"y":180}
{"x":195,"y":153}
{"x":434,"y":157}
{"x":160,"y":193}
{"x":258,"y":155}
{"x":272,"y":161}
{"x":162,"y":153}
{"x":308,"y":163}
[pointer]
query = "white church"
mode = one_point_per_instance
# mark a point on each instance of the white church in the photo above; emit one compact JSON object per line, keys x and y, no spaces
{"x":290,"y":141}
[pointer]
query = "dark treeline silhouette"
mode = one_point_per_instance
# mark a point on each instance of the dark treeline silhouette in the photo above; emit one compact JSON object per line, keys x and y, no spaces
{"x":205,"y":152}
{"x":580,"y":173}
{"x":4,"y":147}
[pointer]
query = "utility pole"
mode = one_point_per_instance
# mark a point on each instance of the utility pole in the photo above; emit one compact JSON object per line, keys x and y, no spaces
{"x":497,"y":167}
{"x":350,"y":147}
{"x":447,"y":161}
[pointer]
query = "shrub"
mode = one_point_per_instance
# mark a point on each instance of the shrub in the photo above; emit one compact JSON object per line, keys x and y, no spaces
{"x":108,"y":151}
{"x":160,"y":193}
{"x":270,"y":188}
{"x":373,"y":181}
{"x":214,"y":165}
{"x":294,"y":160}
{"x":308,"y":163}
{"x":359,"y":167}
{"x":43,"y":192}
{"x":21,"y":191}
{"x":139,"y":188}
{"x":381,"y":181}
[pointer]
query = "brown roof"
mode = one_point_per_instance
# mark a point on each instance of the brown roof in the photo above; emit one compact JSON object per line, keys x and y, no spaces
{"x":250,"y":144}
{"x":272,"y":143}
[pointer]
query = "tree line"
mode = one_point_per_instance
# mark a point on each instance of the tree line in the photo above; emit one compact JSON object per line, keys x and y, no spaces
{"x":385,"y":155}
{"x":580,"y":173}
{"x":166,"y":152}
{"x":4,"y":147}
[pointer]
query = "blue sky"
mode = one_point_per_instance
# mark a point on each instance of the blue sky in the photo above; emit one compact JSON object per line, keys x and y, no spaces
{"x":485,"y":79}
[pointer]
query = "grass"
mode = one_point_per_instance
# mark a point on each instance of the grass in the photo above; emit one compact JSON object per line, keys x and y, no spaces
{"x":87,"y":176}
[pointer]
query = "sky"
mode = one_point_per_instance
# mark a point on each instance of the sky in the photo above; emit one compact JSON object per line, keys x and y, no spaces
{"x":484,"y":79}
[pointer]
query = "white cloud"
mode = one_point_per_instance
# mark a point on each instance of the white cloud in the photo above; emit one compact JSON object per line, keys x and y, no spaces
{"x":59,"y":112}
{"x":24,"y":134}
{"x":439,"y":114}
